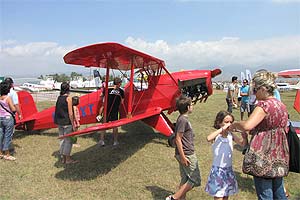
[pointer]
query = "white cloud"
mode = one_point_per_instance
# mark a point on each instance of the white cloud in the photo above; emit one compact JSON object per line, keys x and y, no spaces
{"x":8,"y":42}
{"x":227,"y":53}
{"x":32,"y":49}
{"x":230,"y":54}
{"x":32,"y":59}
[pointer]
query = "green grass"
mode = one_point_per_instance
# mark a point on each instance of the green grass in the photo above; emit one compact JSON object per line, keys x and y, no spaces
{"x":142,"y":167}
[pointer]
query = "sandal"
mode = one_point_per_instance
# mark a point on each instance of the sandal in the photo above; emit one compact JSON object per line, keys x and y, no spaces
{"x":287,"y":194}
{"x":76,"y":145}
{"x":10,"y":158}
{"x":71,"y":162}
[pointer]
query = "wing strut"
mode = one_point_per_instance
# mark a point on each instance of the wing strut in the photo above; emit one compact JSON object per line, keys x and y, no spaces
{"x":106,"y":93}
{"x":129,"y":109}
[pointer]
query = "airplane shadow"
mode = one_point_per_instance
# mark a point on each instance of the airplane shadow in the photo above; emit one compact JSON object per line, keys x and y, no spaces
{"x":19,"y":134}
{"x":97,"y":160}
{"x":158,"y":192}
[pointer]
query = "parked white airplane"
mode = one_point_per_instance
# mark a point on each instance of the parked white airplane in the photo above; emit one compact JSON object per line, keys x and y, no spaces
{"x":32,"y":87}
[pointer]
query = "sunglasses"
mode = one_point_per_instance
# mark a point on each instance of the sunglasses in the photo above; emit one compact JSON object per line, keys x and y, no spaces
{"x":255,"y":89}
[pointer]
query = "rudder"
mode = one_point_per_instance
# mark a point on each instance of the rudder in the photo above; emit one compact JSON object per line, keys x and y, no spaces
{"x":26,"y":104}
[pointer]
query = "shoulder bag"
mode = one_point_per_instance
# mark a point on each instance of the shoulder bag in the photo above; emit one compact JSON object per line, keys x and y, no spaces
{"x":294,"y":149}
{"x":13,"y":116}
{"x":261,"y":162}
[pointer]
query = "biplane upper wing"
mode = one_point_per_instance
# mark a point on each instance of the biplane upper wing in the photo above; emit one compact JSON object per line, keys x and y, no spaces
{"x":109,"y":125}
{"x":115,"y":55}
{"x":293,"y":73}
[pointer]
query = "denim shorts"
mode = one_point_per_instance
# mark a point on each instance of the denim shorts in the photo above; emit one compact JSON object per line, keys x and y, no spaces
{"x":245,"y":107}
{"x":6,"y":132}
{"x":271,"y":188}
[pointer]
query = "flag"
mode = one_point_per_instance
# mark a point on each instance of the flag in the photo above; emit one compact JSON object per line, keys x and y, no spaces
{"x":97,"y":77}
{"x":242,"y":76}
{"x":248,"y":75}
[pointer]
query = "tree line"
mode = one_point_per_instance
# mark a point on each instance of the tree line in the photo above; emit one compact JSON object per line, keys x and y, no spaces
{"x":63,"y":77}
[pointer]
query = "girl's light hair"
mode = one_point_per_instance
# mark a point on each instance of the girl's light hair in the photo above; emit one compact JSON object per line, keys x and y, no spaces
{"x":265,"y":78}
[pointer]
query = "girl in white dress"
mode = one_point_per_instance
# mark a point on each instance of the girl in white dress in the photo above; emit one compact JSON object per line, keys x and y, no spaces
{"x":222,"y":181}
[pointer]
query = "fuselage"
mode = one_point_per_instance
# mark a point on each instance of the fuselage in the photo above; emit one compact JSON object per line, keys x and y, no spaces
{"x":162,"y":92}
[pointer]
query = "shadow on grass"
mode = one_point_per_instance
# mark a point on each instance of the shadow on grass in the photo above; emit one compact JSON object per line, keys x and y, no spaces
{"x":97,"y":160}
{"x":245,"y":183}
{"x":19,"y":134}
{"x":158,"y":192}
{"x":238,"y":147}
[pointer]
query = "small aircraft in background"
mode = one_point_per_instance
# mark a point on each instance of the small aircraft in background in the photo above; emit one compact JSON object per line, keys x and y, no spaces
{"x":155,"y":92}
{"x":294,"y":73}
{"x":32,"y":87}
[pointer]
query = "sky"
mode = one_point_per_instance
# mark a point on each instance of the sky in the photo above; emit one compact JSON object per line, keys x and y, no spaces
{"x":233,"y":35}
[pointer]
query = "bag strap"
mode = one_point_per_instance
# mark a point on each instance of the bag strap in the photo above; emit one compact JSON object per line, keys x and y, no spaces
{"x":7,"y":110}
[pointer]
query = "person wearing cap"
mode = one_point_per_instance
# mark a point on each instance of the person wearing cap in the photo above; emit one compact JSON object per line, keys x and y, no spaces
{"x":13,"y":95}
{"x":114,"y":99}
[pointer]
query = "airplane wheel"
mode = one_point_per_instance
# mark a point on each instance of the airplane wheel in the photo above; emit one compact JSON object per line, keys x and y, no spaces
{"x":171,"y":140}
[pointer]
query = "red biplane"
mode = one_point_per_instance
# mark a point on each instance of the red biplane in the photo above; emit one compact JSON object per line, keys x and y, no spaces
{"x":140,"y":103}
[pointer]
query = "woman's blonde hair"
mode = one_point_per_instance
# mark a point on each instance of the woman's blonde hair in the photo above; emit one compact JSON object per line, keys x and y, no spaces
{"x":265,"y":78}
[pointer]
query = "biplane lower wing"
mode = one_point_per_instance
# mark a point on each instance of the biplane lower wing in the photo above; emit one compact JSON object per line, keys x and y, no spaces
{"x":109,"y":125}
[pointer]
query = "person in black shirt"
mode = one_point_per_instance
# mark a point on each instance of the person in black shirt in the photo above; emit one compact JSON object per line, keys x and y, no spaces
{"x":64,"y":118}
{"x":114,"y":99}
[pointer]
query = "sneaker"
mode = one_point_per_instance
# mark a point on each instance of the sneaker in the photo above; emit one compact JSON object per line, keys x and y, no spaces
{"x":101,"y":143}
{"x":170,"y":198}
{"x":116,"y":144}
{"x":99,"y":118}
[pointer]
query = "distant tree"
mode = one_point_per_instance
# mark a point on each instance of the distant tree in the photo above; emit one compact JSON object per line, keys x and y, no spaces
{"x":63,"y":77}
{"x":60,"y":77}
{"x":74,"y":75}
{"x":111,"y":78}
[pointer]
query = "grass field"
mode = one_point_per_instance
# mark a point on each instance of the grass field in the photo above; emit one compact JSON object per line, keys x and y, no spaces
{"x":141,"y":167}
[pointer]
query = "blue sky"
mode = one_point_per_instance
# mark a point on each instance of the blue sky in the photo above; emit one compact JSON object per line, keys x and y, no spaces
{"x":231,"y":35}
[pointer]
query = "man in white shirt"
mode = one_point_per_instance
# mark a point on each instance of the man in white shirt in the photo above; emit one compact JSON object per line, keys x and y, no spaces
{"x":230,"y":98}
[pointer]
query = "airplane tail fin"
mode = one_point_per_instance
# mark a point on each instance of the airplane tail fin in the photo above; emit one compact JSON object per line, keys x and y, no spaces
{"x":27,"y":105}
